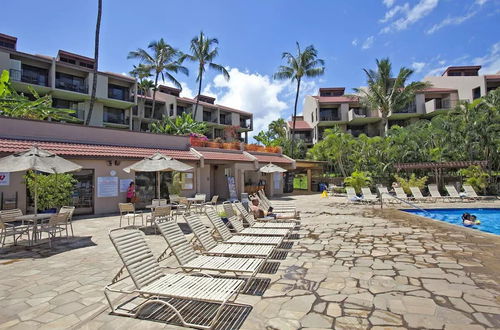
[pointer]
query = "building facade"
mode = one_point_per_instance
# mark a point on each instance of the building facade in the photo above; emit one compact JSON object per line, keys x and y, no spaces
{"x":68,"y":79}
{"x":333,"y":108}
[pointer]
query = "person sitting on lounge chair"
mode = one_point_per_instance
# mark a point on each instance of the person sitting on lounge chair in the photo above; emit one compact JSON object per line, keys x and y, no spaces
{"x":258,"y":212}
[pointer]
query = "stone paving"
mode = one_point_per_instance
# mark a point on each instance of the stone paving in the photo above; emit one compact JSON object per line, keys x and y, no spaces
{"x":354,"y":267}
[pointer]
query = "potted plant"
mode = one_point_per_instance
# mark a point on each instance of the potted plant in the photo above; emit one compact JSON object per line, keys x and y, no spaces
{"x":223,"y":216}
{"x":227,"y":145}
{"x":197,"y":140}
{"x":215,"y":143}
{"x":358,"y":180}
{"x":53,"y":190}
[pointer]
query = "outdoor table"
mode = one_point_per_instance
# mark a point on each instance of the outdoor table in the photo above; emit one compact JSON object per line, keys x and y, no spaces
{"x":192,"y":200}
{"x":35,"y":219}
{"x":153,"y":207}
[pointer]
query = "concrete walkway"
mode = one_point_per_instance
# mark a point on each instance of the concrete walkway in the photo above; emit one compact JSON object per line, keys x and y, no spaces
{"x":354,"y":267}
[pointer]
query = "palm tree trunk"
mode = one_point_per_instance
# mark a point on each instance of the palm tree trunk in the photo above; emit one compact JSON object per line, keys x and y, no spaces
{"x":384,"y":125}
{"x":154,"y":96}
{"x":292,"y":144}
{"x":96,"y":61}
{"x":198,"y":97}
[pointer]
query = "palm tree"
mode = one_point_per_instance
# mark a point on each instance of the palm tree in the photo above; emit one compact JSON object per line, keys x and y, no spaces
{"x":142,"y":72}
{"x":387,"y":93}
{"x":96,"y":61}
{"x":161,"y":62}
{"x":204,"y":52}
{"x":304,"y":64}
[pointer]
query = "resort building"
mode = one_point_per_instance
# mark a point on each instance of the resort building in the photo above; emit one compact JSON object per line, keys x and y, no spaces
{"x":105,"y":152}
{"x":68,"y":79}
{"x":333,"y":108}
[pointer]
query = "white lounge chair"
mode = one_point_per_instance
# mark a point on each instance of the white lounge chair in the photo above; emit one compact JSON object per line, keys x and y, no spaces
{"x":471,"y":193}
{"x":400,"y":193}
{"x":190,"y":261}
{"x":163,"y":289}
{"x":452,"y":193}
{"x":368,"y":197}
{"x":223,"y":231}
{"x":417,"y":195}
{"x":433,"y":190}
{"x":386,"y":196}
{"x":211,"y":247}
{"x":278,"y":207}
{"x":351,"y":195}
{"x":264,"y":222}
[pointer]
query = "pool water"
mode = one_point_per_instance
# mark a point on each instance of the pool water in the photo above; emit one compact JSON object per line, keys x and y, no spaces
{"x":490,"y":217}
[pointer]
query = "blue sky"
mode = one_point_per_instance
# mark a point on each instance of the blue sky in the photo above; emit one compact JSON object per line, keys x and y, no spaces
{"x":427,"y":35}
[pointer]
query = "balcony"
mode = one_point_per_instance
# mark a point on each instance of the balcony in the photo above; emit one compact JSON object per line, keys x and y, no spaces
{"x":440,"y":104}
{"x":208,"y":118}
{"x":29,"y":77}
{"x":114,"y":116}
{"x":74,"y":86}
{"x":411,"y":108}
{"x":119,"y":93}
{"x":329,"y":117}
{"x":304,"y":138}
{"x":225,"y":120}
{"x":246,"y":124}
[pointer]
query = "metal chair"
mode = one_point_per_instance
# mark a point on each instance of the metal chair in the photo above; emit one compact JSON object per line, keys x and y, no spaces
{"x":70,"y":210}
{"x":127,"y":211}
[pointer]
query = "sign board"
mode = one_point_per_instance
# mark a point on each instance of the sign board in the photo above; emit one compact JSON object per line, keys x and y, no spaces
{"x":124,"y":184}
{"x":4,"y":178}
{"x":231,"y":184}
{"x":107,"y":186}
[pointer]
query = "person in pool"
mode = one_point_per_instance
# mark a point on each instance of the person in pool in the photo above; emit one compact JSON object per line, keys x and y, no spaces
{"x":467,"y":220}
{"x":474,"y":219}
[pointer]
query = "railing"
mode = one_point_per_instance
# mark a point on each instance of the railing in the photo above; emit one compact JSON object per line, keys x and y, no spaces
{"x":28,"y":77}
{"x":412,"y":108}
{"x":118,"y":95}
{"x":115,"y":118}
{"x":329,"y":118}
{"x":446,"y":104}
{"x":225,"y":121}
{"x":244,"y":124}
{"x":71,"y":86}
{"x":401,"y":200}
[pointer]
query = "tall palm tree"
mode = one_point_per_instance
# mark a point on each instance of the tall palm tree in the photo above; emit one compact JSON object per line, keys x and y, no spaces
{"x":387,"y":93}
{"x":161,"y":62}
{"x":203,"y":51}
{"x":96,"y":61}
{"x":304,"y":64}
{"x":142,"y":73}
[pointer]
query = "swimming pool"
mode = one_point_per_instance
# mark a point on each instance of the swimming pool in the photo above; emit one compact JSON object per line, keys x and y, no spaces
{"x":490,"y":218}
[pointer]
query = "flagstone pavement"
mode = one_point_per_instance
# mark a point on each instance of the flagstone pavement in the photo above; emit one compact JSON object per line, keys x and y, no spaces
{"x":354,"y":267}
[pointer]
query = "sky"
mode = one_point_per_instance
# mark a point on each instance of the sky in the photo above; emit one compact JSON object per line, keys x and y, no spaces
{"x":425,"y":35}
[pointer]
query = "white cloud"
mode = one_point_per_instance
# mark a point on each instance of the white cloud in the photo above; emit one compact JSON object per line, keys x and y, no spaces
{"x":436,"y":71}
{"x":251,"y":92}
{"x":418,"y":66}
{"x":409,"y":15}
{"x":442,"y":62}
{"x":388,"y":3}
{"x":186,"y":91}
{"x":480,"y":2}
{"x":457,"y":20}
{"x":490,"y":62}
{"x":368,"y":42}
{"x":390,"y":14}
{"x":354,"y":42}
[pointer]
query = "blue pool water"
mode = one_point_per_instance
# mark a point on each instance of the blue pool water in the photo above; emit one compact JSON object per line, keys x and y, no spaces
{"x":490,"y":218}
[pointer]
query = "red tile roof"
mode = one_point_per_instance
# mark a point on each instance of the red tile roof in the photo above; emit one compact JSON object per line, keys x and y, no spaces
{"x":492,"y":76}
{"x":224,"y":155}
{"x":272,"y":159}
{"x":92,"y":150}
{"x":300,"y":125}
{"x":337,"y":99}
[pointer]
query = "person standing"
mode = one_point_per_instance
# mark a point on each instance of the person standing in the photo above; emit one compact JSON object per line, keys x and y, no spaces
{"x":131,"y":193}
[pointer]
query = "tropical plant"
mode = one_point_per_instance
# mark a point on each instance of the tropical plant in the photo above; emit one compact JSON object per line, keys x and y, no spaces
{"x":475,"y":176}
{"x":180,"y":125}
{"x":358,"y":180}
{"x":412,"y":181}
{"x":304,"y":64}
{"x":175,"y":187}
{"x":142,"y":73}
{"x":162,"y":61}
{"x":96,"y":61}
{"x":52,"y":190}
{"x":17,"y":105}
{"x":203,"y":51}
{"x":386,"y":93}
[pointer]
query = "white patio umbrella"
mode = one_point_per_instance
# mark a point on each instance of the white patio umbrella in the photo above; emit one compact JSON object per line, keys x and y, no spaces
{"x":158,"y":163}
{"x":271,"y":168}
{"x":37,"y":159}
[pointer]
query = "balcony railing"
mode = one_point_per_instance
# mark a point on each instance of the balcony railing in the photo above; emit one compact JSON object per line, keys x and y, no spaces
{"x":446,"y":104}
{"x":329,"y":118}
{"x":412,"y":108}
{"x":245,"y":124}
{"x":225,"y":121}
{"x":28,"y":77}
{"x":119,"y":95}
{"x":115,"y":118}
{"x":74,"y":87}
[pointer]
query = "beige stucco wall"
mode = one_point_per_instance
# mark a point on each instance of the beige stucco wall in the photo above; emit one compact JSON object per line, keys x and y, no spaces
{"x":464,"y":84}
{"x":16,"y":185}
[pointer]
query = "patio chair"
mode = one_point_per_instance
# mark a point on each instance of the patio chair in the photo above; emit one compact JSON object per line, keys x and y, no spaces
{"x":417,"y":195}
{"x":190,"y":261}
{"x":211,"y":247}
{"x":400,"y":193}
{"x":128,"y":212}
{"x":471,"y":193}
{"x":156,"y":287}
{"x":226,"y":235}
{"x":70,"y":210}
{"x":9,"y":229}
{"x":386,"y":196}
{"x":249,"y":231}
{"x":159,"y":202}
{"x":57,"y":224}
{"x":212,"y":202}
{"x":282,"y":206}
{"x":368,"y":197}
{"x":262,"y":223}
{"x":351,"y":195}
{"x":433,"y":190}
{"x":453,"y":193}
{"x":159,"y":212}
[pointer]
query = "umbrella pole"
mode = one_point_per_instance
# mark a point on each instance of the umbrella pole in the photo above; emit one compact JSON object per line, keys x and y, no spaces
{"x":36,"y":195}
{"x":158,"y":184}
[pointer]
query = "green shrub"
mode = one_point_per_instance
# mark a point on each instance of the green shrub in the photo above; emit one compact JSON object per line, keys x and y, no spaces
{"x":358,"y":180}
{"x":475,"y":176}
{"x":53,"y":190}
{"x":413,"y":181}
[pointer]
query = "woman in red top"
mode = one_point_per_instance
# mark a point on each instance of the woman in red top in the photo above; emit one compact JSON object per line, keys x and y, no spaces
{"x":130,"y":192}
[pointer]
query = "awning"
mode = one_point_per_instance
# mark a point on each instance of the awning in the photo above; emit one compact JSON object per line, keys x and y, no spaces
{"x":272,"y":158}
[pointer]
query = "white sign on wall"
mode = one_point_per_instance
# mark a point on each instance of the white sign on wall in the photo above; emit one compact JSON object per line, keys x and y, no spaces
{"x":277,"y":181}
{"x":124,"y":184}
{"x":107,"y":186}
{"x":4,"y":178}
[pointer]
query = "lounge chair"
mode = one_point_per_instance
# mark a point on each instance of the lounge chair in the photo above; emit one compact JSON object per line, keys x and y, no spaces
{"x":224,"y":233}
{"x":278,"y":207}
{"x":211,"y":247}
{"x":453,"y":194}
{"x":417,"y":195}
{"x":157,"y":287}
{"x":400,"y":193}
{"x":190,"y":261}
{"x":433,"y":190}
{"x":262,"y":195}
{"x":368,"y":197}
{"x":264,"y":222}
{"x":158,"y":212}
{"x":471,"y":193}
{"x":238,"y":227}
{"x":351,"y":195}
{"x":386,"y":196}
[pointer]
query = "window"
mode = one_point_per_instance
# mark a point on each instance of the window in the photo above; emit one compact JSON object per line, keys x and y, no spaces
{"x":118,"y":92}
{"x":114,"y":116}
{"x":7,"y":44}
{"x":71,"y":83}
{"x":67,"y":60}
{"x":34,"y":75}
{"x":207,"y":116}
{"x":329,"y":114}
{"x":476,"y":93}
